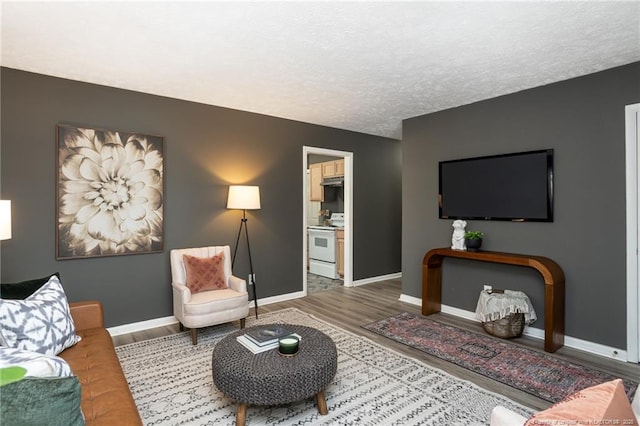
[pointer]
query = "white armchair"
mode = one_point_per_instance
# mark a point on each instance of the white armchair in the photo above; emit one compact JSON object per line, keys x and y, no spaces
{"x":207,"y":307}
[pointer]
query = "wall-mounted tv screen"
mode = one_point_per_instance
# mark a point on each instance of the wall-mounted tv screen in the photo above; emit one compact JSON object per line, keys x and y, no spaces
{"x":517,"y":187}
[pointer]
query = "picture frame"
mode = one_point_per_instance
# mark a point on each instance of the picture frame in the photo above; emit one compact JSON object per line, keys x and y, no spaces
{"x":109,"y":192}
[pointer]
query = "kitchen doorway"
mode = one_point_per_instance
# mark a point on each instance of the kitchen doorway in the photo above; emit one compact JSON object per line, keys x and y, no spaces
{"x":318,"y":219}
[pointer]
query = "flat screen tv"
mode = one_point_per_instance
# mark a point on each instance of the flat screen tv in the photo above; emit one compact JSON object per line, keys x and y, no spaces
{"x":516,"y":187}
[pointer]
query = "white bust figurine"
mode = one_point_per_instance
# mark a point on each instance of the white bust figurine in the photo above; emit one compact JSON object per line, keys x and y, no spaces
{"x":457,"y":239}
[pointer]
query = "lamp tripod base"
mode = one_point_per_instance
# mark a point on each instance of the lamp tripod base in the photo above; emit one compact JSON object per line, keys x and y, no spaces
{"x":252,"y":279}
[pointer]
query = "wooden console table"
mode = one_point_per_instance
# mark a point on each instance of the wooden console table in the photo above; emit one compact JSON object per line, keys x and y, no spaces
{"x":551,"y":273}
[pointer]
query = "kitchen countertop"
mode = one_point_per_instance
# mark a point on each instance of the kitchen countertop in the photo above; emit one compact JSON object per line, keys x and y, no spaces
{"x":326,"y":227}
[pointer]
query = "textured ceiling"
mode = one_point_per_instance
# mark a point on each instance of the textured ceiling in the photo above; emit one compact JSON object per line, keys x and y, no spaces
{"x":362,"y":66}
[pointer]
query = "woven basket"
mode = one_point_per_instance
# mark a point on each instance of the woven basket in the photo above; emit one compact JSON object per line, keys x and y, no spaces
{"x":506,"y":328}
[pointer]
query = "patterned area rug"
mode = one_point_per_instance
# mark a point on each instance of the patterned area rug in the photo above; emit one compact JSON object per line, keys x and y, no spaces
{"x":534,"y":372}
{"x":171,"y":382}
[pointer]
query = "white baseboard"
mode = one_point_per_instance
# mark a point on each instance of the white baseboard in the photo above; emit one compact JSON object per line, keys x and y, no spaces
{"x":279,"y":298}
{"x":161,"y":322}
{"x":571,"y":342}
{"x":141,"y":325}
{"x":372,"y":280}
{"x":537,"y":333}
{"x":410,"y":299}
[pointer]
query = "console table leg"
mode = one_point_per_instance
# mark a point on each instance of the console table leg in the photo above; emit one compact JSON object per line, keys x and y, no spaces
{"x":241,"y":414}
{"x":431,"y":289}
{"x":321,"y":402}
{"x":554,"y":317}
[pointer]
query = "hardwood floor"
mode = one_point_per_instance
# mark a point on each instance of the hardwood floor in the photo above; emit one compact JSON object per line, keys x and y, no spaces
{"x":352,"y":307}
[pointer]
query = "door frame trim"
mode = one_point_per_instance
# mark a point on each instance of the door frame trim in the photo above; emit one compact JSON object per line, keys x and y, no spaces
{"x":632,"y":124}
{"x":348,"y":210}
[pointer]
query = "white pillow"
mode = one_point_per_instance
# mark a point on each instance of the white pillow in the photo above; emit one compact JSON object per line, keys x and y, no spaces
{"x":36,"y":364}
{"x":40,"y":323}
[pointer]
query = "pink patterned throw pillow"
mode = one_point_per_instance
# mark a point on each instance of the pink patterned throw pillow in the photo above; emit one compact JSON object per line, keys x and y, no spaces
{"x":603,"y":404}
{"x":205,"y":273}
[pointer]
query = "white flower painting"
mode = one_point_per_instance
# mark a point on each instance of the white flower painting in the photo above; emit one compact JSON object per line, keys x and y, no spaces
{"x":110,"y":193}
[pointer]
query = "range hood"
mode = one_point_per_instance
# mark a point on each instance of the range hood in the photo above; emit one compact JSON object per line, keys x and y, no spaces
{"x":333,"y":181}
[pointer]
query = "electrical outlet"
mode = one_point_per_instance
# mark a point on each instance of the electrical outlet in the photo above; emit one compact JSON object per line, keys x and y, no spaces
{"x":488,"y":287}
{"x":251,"y":279}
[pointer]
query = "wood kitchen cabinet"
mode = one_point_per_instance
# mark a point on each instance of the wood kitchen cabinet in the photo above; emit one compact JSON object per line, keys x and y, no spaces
{"x":340,"y":167}
{"x":319,"y":171}
{"x":316,"y":191}
{"x":340,"y":259}
{"x":333,"y":168}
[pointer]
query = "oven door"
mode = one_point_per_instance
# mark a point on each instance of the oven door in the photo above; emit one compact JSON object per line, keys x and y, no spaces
{"x":322,"y":245}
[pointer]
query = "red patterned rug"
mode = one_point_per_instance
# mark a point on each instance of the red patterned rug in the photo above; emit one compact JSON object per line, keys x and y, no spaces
{"x":535,"y":372}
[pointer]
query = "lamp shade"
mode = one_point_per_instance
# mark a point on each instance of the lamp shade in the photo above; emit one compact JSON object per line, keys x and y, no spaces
{"x":5,"y":219}
{"x":243,"y":197}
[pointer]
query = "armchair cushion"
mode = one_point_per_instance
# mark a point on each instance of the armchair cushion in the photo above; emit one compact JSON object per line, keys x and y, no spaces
{"x":225,"y":299}
{"x":205,"y":273}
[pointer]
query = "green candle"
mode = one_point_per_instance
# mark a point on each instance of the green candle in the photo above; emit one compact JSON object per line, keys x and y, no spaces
{"x":288,"y":345}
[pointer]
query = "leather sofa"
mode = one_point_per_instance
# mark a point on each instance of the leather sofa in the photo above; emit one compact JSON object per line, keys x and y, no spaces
{"x":106,"y":398}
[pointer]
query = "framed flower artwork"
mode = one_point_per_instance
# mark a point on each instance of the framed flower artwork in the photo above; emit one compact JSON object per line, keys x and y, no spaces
{"x":110,"y":192}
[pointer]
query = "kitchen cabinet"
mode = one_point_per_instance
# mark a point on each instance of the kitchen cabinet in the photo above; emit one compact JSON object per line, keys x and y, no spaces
{"x":340,"y":258}
{"x":319,"y":171}
{"x":316,"y":191}
{"x":333,"y":168}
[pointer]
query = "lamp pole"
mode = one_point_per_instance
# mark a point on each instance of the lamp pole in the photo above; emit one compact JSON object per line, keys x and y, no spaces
{"x":242,"y":197}
{"x":252,"y":280}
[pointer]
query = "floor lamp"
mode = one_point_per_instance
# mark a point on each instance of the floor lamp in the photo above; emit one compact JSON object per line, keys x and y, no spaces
{"x":245,"y":198}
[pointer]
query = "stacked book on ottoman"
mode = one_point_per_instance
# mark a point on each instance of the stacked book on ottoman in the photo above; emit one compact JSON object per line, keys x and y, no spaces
{"x":264,"y":339}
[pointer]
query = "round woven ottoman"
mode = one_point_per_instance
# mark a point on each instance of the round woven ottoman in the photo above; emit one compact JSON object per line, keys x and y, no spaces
{"x":269,"y":378}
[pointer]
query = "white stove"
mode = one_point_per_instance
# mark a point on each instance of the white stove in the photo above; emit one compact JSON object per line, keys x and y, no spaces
{"x":323,"y":247}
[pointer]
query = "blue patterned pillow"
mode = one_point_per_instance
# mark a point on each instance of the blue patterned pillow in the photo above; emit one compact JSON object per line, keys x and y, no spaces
{"x":41,"y":323}
{"x":36,"y":364}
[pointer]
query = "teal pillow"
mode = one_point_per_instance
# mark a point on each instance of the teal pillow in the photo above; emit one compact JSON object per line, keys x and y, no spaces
{"x":42,"y":401}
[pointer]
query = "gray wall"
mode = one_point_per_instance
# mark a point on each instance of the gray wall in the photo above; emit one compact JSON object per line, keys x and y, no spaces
{"x":583,"y":120}
{"x":206,"y":149}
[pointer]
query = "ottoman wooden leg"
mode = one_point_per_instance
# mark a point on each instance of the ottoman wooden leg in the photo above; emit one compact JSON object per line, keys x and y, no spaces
{"x":241,"y":414}
{"x":321,"y":402}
